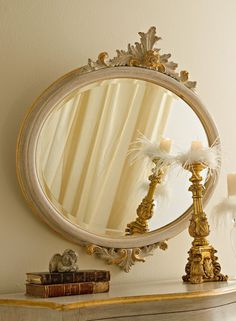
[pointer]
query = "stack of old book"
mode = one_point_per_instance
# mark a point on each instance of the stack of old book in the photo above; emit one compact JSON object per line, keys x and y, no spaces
{"x":46,"y":284}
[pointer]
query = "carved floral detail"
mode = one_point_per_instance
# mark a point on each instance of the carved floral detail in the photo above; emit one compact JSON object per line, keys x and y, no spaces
{"x":142,"y":54}
{"x":124,"y":258}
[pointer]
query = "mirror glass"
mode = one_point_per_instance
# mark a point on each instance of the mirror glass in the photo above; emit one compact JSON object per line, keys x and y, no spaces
{"x":83,"y":160}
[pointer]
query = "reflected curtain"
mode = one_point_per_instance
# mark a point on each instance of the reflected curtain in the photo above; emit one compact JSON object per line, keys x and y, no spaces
{"x":83,"y":148}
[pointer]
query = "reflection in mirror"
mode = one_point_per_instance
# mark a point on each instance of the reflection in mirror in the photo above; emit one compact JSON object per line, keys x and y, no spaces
{"x":82,"y":153}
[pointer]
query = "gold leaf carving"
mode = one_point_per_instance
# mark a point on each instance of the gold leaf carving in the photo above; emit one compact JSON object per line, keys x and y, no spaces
{"x":124,"y":258}
{"x":142,"y":54}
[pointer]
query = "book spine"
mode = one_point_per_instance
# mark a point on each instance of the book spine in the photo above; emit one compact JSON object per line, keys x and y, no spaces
{"x":57,"y":278}
{"x":97,"y":276}
{"x":73,"y":277}
{"x":83,"y":276}
{"x":55,"y":290}
{"x":69,"y":277}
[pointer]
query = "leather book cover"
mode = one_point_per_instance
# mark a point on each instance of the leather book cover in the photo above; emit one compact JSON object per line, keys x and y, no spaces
{"x":55,"y":290}
{"x":68,"y":277}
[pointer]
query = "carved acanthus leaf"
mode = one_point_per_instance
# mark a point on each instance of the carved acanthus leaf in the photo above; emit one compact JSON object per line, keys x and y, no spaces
{"x":124,"y":258}
{"x":142,"y":54}
{"x":95,"y":65}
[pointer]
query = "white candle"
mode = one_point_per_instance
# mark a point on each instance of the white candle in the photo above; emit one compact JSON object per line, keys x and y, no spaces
{"x":165,"y":144}
{"x":196,"y":145}
{"x":231,"y":182}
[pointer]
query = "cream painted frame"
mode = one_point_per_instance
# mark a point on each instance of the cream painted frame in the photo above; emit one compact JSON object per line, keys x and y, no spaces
{"x":126,"y":250}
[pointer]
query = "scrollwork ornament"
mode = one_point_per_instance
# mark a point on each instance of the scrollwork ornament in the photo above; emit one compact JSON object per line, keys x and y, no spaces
{"x":142,"y":54}
{"x":124,"y":258}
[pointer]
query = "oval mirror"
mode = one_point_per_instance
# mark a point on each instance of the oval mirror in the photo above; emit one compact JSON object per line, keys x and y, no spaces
{"x":83,"y":161}
{"x":74,"y":163}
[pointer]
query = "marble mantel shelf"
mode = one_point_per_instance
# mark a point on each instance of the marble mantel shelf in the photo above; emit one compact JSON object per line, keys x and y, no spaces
{"x":139,"y":301}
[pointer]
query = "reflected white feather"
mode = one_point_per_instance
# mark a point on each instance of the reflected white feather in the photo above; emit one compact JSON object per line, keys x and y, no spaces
{"x":162,"y":191}
{"x":224,"y":213}
{"x":144,"y":148}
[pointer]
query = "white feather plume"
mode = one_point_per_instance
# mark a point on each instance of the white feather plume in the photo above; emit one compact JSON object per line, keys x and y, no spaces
{"x":144,"y":148}
{"x":224,"y":213}
{"x":208,"y":156}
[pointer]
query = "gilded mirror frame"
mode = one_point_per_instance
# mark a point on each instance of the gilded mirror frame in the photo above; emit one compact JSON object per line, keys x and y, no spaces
{"x":141,"y":61}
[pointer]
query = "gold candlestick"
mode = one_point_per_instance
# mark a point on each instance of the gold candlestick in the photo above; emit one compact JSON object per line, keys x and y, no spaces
{"x":202,"y":263}
{"x":145,"y":208}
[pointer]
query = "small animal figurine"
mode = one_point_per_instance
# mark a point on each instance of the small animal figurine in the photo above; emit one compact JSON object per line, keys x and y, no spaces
{"x":65,"y":262}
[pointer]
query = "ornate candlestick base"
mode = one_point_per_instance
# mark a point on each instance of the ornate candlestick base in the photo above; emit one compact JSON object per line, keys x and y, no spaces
{"x":202,"y":263}
{"x":144,"y":212}
{"x":202,"y":266}
{"x":145,"y":208}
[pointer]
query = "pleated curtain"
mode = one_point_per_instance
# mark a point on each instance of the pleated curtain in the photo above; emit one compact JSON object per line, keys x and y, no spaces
{"x":83,"y":161}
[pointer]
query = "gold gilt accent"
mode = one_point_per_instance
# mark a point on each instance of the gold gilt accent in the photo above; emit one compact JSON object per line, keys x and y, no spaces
{"x":124,"y":258}
{"x":217,"y":293}
{"x":202,"y":263}
{"x":142,"y":54}
{"x":145,"y":208}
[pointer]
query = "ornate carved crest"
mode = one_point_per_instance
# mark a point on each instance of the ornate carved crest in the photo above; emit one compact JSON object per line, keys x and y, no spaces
{"x":124,"y":258}
{"x":142,"y":54}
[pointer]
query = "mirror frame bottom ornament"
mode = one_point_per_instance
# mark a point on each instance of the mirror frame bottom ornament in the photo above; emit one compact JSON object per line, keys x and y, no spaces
{"x":141,"y":61}
{"x":124,"y":258}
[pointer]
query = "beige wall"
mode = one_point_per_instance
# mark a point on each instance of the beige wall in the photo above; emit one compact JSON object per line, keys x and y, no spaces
{"x":42,"y":39}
